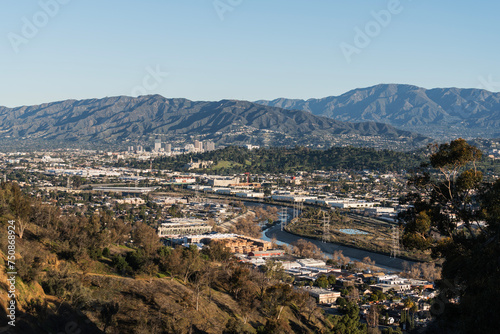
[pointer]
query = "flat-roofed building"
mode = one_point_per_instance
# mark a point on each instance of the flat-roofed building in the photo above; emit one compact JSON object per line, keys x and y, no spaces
{"x":347,"y":204}
{"x":267,"y":253}
{"x":382,"y":287}
{"x":386,"y":287}
{"x":250,"y":194}
{"x":183,"y":226}
{"x":323,"y":296}
{"x":184,"y":179}
{"x":126,"y":190}
{"x":222,"y":182}
{"x":311,"y":262}
{"x":380,"y":210}
{"x":237,"y":244}
{"x":245,"y":245}
{"x":291,"y":198}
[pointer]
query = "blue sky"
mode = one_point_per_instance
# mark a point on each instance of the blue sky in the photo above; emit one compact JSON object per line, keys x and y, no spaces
{"x":245,"y":49}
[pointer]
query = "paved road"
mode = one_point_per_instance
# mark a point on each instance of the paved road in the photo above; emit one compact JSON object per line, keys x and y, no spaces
{"x":381,"y":260}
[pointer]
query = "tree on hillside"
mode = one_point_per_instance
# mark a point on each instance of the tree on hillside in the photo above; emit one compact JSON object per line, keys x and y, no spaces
{"x":217,"y":251}
{"x":276,"y":298}
{"x":349,"y":322}
{"x":372,"y":319}
{"x":146,"y":237}
{"x":20,"y":207}
{"x":456,"y":214}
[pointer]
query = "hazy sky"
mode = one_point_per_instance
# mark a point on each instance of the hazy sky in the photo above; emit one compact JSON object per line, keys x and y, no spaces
{"x":241,"y":49}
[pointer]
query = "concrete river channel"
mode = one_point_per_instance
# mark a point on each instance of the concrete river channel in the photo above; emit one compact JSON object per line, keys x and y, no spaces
{"x":384,"y":261}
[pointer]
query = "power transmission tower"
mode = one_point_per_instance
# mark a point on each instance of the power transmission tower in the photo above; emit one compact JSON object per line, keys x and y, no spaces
{"x":326,"y":227}
{"x":395,"y":241}
{"x":300,"y":208}
{"x":283,"y":217}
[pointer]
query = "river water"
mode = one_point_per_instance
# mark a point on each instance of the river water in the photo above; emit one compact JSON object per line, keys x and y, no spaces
{"x":384,"y":261}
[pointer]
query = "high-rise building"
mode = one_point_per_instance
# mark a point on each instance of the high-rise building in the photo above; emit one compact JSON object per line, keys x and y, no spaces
{"x":168,"y":148}
{"x":157,"y":145}
{"x":198,"y":146}
{"x":208,"y":146}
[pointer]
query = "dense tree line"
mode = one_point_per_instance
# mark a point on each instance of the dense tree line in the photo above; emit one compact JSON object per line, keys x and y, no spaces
{"x":284,"y":160}
{"x":455,"y":214}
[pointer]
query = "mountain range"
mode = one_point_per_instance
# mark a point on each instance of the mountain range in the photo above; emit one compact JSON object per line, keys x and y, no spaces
{"x":440,"y":113}
{"x":120,"y":121}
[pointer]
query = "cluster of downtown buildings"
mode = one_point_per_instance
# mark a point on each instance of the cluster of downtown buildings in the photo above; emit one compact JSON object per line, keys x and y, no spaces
{"x":167,"y":149}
